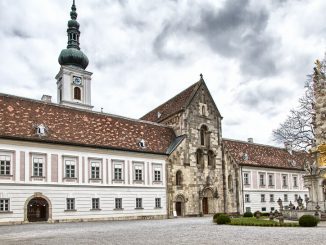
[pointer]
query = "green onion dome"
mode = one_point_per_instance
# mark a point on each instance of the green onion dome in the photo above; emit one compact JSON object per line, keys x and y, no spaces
{"x":72,"y":55}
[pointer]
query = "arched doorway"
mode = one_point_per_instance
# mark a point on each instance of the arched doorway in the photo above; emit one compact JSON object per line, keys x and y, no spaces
{"x":37,"y":210}
{"x":179,"y":205}
{"x":207,"y":201}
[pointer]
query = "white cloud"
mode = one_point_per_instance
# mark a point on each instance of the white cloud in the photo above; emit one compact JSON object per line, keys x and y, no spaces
{"x":254,"y":60}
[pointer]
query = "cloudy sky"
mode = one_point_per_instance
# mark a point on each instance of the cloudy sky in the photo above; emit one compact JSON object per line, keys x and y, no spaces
{"x":254,"y":55}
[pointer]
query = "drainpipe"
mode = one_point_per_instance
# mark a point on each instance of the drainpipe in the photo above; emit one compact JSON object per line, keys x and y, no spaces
{"x":242,"y":189}
{"x":224,"y":184}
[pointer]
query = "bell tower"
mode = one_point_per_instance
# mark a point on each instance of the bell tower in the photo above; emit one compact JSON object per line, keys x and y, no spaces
{"x":73,"y":81}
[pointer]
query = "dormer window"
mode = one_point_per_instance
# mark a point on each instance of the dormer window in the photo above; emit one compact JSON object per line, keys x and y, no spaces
{"x":41,"y":130}
{"x":159,"y":114}
{"x":141,"y":143}
{"x":245,"y":157}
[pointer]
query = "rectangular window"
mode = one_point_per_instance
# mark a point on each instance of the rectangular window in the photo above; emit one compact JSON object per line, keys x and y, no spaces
{"x":157,"y":174}
{"x":272,"y":208}
{"x":285,"y":198}
{"x":263,"y":209}
{"x":262,"y":197}
{"x":5,"y":162}
{"x":157,"y":202}
{"x":247,"y":198}
{"x":271,"y":197}
{"x":70,"y":166}
{"x":118,"y":173}
{"x":246,"y":178}
{"x":295,"y":181}
{"x":270,"y":179}
{"x":138,"y":173}
{"x":95,"y":203}
{"x":284,"y":180}
{"x":38,"y":166}
{"x":139,"y":203}
{"x":4,"y":205}
{"x":248,"y":209}
{"x":70,"y":203}
{"x":262,"y":179}
{"x":95,"y":170}
{"x":295,"y":197}
{"x":118,"y":203}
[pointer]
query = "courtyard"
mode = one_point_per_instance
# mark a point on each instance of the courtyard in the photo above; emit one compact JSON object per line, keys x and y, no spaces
{"x":169,"y":231}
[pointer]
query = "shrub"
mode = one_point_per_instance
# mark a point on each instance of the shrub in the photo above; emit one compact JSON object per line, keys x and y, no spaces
{"x":308,"y":221}
{"x":215,"y":216}
{"x":223,"y":219}
{"x":247,"y":214}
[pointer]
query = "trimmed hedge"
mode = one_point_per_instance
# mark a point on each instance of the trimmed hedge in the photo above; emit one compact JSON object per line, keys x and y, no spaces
{"x":248,"y":214}
{"x":223,"y":219}
{"x":308,"y":221}
{"x":260,"y":222}
{"x":215,"y":216}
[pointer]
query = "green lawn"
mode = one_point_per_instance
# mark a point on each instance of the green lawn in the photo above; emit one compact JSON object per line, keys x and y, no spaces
{"x":258,"y":222}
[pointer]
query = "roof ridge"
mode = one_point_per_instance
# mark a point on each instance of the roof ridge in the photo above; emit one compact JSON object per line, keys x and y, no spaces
{"x":84,"y":110}
{"x":171,"y":99}
{"x":260,"y":144}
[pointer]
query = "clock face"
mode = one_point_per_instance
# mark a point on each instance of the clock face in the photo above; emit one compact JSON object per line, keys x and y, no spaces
{"x":77,"y":80}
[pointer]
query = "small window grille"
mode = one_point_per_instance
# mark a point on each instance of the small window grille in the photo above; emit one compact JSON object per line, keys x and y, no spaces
{"x":41,"y":130}
{"x":141,"y":143}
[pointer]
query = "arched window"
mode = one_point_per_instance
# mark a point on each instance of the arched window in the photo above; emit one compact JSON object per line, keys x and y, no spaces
{"x":200,"y":158}
{"x":230,"y":182}
{"x":204,"y":138}
{"x":203,"y":112}
{"x":178,"y":178}
{"x":211,"y":158}
{"x":77,"y":93}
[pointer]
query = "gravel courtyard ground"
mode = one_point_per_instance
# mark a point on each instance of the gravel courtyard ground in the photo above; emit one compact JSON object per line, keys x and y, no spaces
{"x":172,"y":231}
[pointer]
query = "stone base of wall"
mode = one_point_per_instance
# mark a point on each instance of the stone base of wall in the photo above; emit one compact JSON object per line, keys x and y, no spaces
{"x":53,"y":221}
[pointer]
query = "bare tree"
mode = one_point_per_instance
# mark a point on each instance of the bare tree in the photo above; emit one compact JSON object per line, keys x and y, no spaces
{"x":298,"y":129}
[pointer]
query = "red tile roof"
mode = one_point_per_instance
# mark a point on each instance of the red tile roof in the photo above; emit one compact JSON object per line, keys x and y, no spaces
{"x":264,"y":155}
{"x":172,"y":106}
{"x":65,"y":125}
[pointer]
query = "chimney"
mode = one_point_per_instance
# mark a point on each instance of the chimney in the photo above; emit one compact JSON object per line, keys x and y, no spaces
{"x":250,"y":140}
{"x":288,"y":146}
{"x":46,"y":98}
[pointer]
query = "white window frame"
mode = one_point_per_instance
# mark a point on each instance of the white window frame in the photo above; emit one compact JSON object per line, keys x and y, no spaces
{"x":95,"y":169}
{"x":5,"y":168}
{"x":286,"y":198}
{"x":38,"y":160}
{"x":271,"y":198}
{"x":157,"y":172}
{"x":246,"y":178}
{"x":285,"y":181}
{"x":262,"y":181}
{"x":295,"y":181}
{"x":70,"y":204}
{"x":118,"y":164}
{"x":139,"y":203}
{"x":247,"y":197}
{"x":158,"y":202}
{"x":118,"y":203}
{"x":262,"y":198}
{"x":95,"y":203}
{"x":70,"y":162}
{"x":270,"y":179}
{"x":138,"y":166}
{"x":4,"y":205}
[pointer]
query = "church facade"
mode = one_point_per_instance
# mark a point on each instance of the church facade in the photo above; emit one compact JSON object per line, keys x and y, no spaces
{"x":63,"y":162}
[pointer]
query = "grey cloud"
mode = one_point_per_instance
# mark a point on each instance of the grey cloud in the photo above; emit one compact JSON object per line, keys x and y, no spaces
{"x":159,"y":44}
{"x":254,"y":98}
{"x":235,"y":31}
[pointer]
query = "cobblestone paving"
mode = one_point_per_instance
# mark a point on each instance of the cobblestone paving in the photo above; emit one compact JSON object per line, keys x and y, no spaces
{"x":172,"y":231}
